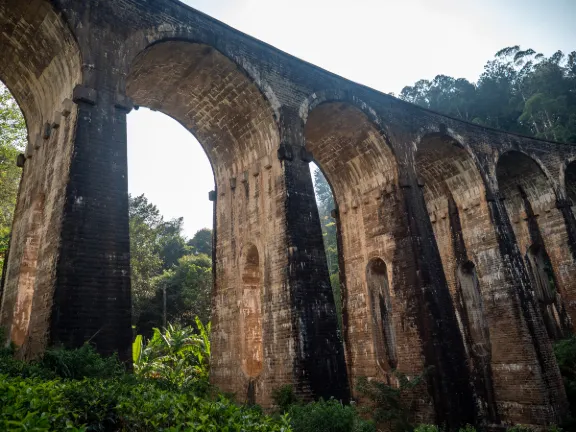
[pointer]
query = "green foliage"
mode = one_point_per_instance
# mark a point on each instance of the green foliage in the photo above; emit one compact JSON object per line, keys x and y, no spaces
{"x":427,"y":428}
{"x":188,"y":288}
{"x":120,"y":405}
{"x":79,"y":391}
{"x":84,"y":362}
{"x":164,"y":262}
{"x":325,"y":202}
{"x":178,"y":357}
{"x":201,"y":243}
{"x":284,"y":397}
{"x":389,"y":405}
{"x":327,"y":416}
{"x":565,"y":352}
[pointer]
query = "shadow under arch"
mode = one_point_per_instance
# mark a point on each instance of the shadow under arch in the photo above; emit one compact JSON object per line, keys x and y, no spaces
{"x":453,"y":189}
{"x":531,"y":203}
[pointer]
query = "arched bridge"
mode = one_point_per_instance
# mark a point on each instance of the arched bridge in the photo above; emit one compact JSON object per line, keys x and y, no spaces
{"x":457,"y":242}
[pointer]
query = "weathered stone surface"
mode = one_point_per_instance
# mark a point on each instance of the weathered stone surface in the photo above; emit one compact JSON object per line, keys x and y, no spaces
{"x":447,"y":231}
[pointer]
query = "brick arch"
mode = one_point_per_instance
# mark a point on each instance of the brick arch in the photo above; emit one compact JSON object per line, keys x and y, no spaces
{"x":342,"y":139}
{"x":445,"y":166}
{"x":353,"y":153}
{"x":41,"y":60}
{"x":144,"y":39}
{"x":516,"y":169}
{"x":211,"y":97}
{"x":454,"y":192}
{"x":531,"y":203}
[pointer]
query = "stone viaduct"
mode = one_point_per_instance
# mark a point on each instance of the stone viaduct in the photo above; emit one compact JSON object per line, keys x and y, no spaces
{"x":457,"y":242}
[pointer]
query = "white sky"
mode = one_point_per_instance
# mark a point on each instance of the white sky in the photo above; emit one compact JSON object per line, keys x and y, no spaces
{"x":385,"y":44}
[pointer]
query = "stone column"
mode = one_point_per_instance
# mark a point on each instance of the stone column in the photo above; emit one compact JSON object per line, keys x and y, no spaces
{"x":319,"y":366}
{"x":443,"y":346}
{"x":92,"y":296}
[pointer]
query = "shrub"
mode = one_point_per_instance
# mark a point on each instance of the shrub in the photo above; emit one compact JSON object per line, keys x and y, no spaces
{"x":392,"y":407}
{"x":327,"y":416}
{"x":284,"y":397}
{"x":565,"y":352}
{"x":80,"y":363}
{"x":178,"y":358}
{"x":79,"y":391}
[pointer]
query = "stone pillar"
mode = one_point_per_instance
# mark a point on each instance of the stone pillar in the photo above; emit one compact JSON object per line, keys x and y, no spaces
{"x":319,"y":366}
{"x":449,"y":378}
{"x":92,"y":296}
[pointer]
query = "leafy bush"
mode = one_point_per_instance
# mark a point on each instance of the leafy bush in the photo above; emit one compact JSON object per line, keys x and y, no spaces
{"x":80,"y":363}
{"x":78,"y":391}
{"x":284,"y":397}
{"x":119,"y":405}
{"x":327,"y":416}
{"x":179,"y":357}
{"x":392,"y":407}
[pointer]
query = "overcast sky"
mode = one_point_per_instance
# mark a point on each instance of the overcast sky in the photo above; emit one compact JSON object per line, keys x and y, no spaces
{"x":385,"y":44}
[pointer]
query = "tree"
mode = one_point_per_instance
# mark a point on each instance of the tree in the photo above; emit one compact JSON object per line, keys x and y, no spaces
{"x":201,"y":243}
{"x":519,"y":91}
{"x":12,"y":141}
{"x":171,"y":276}
{"x":325,"y":202}
{"x":182,"y":293}
{"x":145,"y":260}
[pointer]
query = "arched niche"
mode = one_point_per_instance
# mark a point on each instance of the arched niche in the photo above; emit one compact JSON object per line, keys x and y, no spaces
{"x":544,"y":286}
{"x":383,"y":331}
{"x":251,"y":312}
{"x":28,"y":272}
{"x":473,"y":305}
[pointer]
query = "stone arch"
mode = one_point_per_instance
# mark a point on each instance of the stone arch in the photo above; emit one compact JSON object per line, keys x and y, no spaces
{"x":531,"y":203}
{"x":349,"y":145}
{"x":41,"y":61}
{"x":383,"y":331}
{"x":41,"y":67}
{"x":454,"y":192}
{"x":210,"y":96}
{"x":144,"y":39}
{"x":236,"y":132}
{"x":251,"y":313}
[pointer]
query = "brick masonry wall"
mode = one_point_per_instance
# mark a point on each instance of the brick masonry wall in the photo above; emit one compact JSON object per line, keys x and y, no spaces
{"x":254,"y":108}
